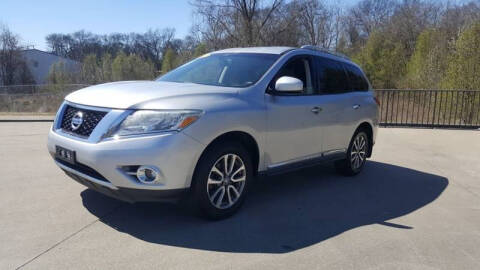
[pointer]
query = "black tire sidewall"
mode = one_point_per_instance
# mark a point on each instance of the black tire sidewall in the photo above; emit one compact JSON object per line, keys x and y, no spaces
{"x":203,"y":170}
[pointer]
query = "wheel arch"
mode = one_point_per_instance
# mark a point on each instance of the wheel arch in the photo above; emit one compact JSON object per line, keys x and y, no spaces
{"x":244,"y":138}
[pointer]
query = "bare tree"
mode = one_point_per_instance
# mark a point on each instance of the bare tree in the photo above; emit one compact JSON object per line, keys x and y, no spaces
{"x":364,"y":18}
{"x":149,"y":45}
{"x":230,"y":23}
{"x":410,"y":18}
{"x":370,"y":15}
{"x":13,"y":69}
{"x":319,"y":23}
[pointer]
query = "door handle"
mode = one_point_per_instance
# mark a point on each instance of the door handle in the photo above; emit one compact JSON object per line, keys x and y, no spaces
{"x":356,"y":106}
{"x":316,"y":110}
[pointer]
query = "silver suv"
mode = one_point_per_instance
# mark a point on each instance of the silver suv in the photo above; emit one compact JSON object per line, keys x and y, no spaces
{"x":209,"y":127}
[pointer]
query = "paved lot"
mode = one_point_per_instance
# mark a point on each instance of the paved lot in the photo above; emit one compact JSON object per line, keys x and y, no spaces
{"x":416,"y":206}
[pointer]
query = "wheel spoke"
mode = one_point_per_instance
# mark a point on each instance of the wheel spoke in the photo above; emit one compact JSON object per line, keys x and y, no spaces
{"x":217,"y":191}
{"x":362,"y":143}
{"x":230,"y":201}
{"x":225,"y":164}
{"x":213,"y":181}
{"x":232,"y":163}
{"x":220,"y":197}
{"x":232,"y":187}
{"x":237,"y":171}
{"x":240,"y":179}
{"x":217,"y":171}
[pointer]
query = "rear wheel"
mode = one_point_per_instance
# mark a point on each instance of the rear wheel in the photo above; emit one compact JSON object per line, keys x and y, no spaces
{"x":356,"y":155}
{"x":222,"y":179}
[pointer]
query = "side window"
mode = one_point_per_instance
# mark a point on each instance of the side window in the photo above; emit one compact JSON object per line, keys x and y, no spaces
{"x":300,"y":68}
{"x":331,"y":77}
{"x":356,"y":78}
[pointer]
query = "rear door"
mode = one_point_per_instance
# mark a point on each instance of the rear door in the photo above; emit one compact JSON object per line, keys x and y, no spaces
{"x":337,"y":105}
{"x":361,"y":99}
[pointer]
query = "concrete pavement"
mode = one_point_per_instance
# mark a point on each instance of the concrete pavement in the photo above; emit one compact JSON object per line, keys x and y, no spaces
{"x":416,"y":206}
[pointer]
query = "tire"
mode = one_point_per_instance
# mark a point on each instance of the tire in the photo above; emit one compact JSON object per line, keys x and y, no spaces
{"x":356,"y":155}
{"x":211,"y":177}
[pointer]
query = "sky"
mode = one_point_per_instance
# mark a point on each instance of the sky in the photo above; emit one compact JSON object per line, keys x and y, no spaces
{"x":33,"y":20}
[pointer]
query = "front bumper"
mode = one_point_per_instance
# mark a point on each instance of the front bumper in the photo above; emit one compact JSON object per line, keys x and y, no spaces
{"x":127,"y":194}
{"x":100,"y":163}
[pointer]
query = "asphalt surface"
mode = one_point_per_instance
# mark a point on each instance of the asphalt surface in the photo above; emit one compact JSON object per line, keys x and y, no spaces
{"x":415,"y":206}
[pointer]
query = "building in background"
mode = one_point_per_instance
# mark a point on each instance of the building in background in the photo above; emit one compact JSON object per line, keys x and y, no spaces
{"x":40,"y":62}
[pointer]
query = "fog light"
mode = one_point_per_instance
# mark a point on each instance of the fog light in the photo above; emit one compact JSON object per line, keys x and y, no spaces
{"x":148,"y":175}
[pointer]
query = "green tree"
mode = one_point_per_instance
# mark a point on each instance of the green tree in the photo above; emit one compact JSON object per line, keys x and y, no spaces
{"x":464,"y":64}
{"x":427,"y":65}
{"x":132,"y":67}
{"x":91,"y":70}
{"x":120,"y":67}
{"x":200,"y":50}
{"x":383,"y":60}
{"x":169,"y":61}
{"x":141,"y":69}
{"x":107,"y":63}
{"x":59,"y":75}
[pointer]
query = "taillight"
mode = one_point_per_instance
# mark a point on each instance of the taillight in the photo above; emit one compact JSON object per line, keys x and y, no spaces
{"x":377,"y":101}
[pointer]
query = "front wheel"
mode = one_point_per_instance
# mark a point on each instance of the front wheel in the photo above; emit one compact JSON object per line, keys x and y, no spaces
{"x":222,"y":179}
{"x":356,"y":155}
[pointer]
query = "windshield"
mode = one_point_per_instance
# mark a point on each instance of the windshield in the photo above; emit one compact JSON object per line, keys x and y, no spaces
{"x":223,"y":69}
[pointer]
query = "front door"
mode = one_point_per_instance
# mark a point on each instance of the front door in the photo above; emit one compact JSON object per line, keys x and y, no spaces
{"x":292,"y":119}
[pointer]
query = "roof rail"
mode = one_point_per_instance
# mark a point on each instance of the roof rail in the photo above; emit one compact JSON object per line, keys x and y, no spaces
{"x":324,"y":50}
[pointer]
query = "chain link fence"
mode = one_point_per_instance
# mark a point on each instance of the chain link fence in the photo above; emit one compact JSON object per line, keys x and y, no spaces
{"x":34,"y":98}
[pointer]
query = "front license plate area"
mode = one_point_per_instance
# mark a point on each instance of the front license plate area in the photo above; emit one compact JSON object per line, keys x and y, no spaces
{"x":65,"y":154}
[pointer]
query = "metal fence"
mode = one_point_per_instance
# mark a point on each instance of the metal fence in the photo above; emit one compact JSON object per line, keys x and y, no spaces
{"x":430,"y":108}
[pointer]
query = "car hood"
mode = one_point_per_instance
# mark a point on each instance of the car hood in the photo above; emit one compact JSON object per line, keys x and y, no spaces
{"x":145,"y":94}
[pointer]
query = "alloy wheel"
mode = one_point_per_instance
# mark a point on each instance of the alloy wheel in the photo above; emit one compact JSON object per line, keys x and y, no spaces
{"x":358,"y":152}
{"x":226,"y":181}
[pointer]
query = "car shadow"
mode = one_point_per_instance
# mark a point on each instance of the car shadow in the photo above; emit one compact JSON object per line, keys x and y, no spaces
{"x":282,"y":213}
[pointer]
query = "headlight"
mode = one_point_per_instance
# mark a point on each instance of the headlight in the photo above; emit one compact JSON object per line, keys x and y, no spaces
{"x":148,"y":122}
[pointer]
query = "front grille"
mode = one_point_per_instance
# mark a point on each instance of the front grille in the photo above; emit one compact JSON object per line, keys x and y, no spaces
{"x":83,"y":169}
{"x":90,"y":121}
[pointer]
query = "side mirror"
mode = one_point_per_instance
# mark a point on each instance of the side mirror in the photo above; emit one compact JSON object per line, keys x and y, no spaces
{"x":288,"y":84}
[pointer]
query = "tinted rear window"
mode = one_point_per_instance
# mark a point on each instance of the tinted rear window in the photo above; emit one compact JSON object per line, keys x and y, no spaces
{"x":331,"y":76}
{"x":356,"y":78}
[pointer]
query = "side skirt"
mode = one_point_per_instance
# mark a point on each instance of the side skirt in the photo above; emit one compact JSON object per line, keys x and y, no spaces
{"x":304,"y":163}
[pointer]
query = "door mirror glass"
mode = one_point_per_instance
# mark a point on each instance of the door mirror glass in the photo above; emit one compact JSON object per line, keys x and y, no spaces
{"x":288,"y":84}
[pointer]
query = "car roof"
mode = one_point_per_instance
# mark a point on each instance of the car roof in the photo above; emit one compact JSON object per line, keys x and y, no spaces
{"x":283,"y":49}
{"x":269,"y":50}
